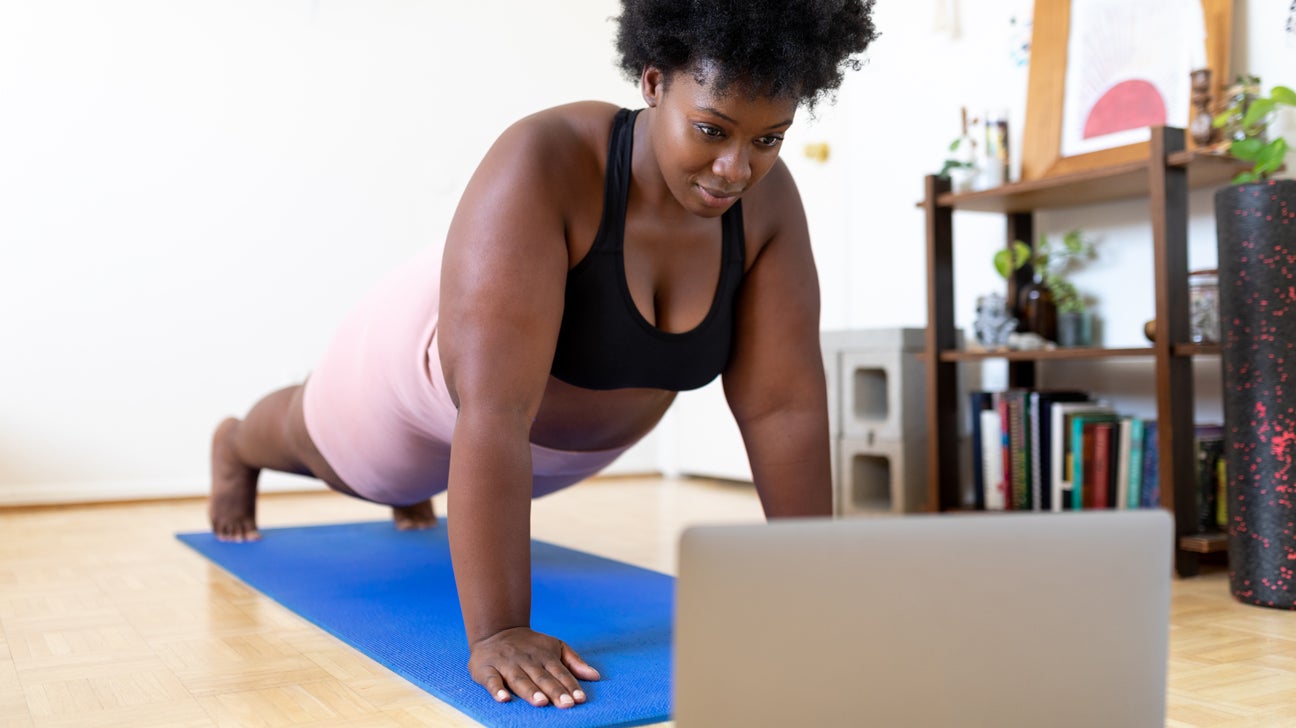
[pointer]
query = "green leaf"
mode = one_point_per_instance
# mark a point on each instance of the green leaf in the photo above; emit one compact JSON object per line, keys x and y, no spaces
{"x":1010,"y":259}
{"x":1245,"y":177}
{"x":1001,"y":263}
{"x":1259,"y":109}
{"x":1221,"y":119}
{"x":1248,"y":149}
{"x":954,"y":144}
{"x":1074,"y":242}
{"x":1283,"y":95}
{"x":1271,"y":157}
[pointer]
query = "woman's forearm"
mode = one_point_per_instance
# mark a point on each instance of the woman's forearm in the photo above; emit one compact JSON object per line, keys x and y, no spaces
{"x":490,"y":529}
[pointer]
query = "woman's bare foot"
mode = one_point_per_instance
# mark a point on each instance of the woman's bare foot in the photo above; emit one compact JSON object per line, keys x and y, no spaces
{"x":414,"y":518}
{"x":232,"y":507}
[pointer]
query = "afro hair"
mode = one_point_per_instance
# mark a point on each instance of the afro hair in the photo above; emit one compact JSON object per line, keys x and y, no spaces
{"x":790,"y":48}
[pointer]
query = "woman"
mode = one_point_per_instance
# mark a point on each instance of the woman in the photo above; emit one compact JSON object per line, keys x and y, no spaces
{"x":600,"y":261}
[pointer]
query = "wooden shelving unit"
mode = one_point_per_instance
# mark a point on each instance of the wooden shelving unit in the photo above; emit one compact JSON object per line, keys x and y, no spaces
{"x":1164,"y":180}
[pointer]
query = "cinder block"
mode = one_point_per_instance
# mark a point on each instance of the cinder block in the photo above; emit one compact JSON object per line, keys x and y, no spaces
{"x":895,"y":339}
{"x":882,"y":394}
{"x":879,"y":476}
{"x":832,"y":376}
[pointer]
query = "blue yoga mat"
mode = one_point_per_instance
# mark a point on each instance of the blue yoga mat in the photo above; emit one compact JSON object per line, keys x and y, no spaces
{"x":391,"y":595}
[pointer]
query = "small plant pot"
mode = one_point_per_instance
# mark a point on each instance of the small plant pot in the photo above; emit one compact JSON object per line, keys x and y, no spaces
{"x":1074,"y":329}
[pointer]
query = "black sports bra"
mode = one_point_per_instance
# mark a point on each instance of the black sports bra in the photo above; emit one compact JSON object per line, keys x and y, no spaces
{"x":604,"y":342}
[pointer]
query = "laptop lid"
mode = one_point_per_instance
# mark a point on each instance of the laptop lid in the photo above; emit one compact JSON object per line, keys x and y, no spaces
{"x":998,"y":620}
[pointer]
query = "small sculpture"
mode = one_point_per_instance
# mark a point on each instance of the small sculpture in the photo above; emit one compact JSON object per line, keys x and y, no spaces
{"x":993,"y":321}
{"x":1200,"y":126}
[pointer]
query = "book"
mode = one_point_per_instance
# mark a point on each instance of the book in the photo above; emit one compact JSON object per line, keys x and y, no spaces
{"x":992,"y":460}
{"x":1041,"y":427}
{"x":1123,"y":437}
{"x":1082,"y":454}
{"x":1151,"y":496}
{"x":1060,"y":448}
{"x":1221,"y":510}
{"x":1005,"y":448}
{"x":1018,"y":451}
{"x":1136,"y":464}
{"x":1208,"y":447}
{"x":1100,"y":472}
{"x":978,"y":402}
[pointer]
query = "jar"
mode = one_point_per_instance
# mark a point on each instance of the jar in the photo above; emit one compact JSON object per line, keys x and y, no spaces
{"x":1203,"y":307}
{"x":1038,"y":311}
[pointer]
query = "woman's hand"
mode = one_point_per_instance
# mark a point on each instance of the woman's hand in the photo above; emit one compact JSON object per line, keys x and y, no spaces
{"x":536,"y":667}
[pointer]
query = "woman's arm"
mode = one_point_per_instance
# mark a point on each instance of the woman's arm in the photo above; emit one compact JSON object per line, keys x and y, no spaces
{"x":503,"y":275}
{"x":775,"y":380}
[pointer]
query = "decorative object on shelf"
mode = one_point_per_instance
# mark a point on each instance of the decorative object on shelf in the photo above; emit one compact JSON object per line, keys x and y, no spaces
{"x":1203,"y":307}
{"x":1074,"y":329}
{"x":1256,"y":233}
{"x":1200,"y":126}
{"x":992,"y":163}
{"x":993,"y":321}
{"x":1241,"y":95}
{"x":1246,"y":122}
{"x":960,"y":166}
{"x":1149,"y":331}
{"x":1029,"y":342}
{"x":1041,"y":304}
{"x":1094,"y":71}
{"x":1038,"y":309}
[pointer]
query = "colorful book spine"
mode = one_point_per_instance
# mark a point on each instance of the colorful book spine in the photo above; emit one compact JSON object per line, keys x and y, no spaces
{"x":992,"y":460}
{"x":1151,"y":469}
{"x":1135,"y":464}
{"x":1123,"y":433}
{"x":1019,"y":450}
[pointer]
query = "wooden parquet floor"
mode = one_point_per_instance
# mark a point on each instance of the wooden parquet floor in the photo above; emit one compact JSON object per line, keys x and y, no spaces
{"x":107,"y":620}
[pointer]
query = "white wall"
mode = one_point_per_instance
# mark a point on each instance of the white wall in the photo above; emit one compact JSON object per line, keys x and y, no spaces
{"x":192,"y":194}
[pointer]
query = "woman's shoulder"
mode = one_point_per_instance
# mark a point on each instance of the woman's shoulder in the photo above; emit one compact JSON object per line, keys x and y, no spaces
{"x":562,"y":135}
{"x":772,"y":207}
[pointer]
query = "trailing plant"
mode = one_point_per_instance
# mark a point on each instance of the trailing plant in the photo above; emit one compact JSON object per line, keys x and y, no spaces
{"x":960,"y":159}
{"x":1251,"y":117}
{"x":1052,"y":263}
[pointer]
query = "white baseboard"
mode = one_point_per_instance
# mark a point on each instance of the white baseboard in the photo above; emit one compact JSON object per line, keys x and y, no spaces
{"x":109,"y":491}
{"x":106,"y":491}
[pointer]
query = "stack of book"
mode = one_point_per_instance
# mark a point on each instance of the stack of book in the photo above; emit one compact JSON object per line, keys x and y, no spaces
{"x":1056,"y":450}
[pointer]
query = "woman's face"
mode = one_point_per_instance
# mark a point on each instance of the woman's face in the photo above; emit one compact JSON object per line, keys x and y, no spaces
{"x":712,"y":147}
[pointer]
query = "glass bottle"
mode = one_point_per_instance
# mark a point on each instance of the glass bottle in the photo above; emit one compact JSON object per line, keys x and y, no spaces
{"x":1038,"y":310}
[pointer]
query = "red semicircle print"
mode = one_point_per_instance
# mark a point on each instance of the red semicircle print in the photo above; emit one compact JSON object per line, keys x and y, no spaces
{"x":1133,"y":104}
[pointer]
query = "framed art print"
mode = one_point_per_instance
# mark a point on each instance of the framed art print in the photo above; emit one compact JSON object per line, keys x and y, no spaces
{"x":1103,"y":72}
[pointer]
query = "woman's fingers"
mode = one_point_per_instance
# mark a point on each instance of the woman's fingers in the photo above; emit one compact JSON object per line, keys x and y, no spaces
{"x":536,"y":667}
{"x":494,"y":684}
{"x":578,"y":667}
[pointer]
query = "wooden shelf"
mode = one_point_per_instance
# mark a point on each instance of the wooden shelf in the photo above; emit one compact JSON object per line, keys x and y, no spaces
{"x":1047,"y":354}
{"x":1162,"y":181}
{"x":1204,"y":543}
{"x":1117,"y":182}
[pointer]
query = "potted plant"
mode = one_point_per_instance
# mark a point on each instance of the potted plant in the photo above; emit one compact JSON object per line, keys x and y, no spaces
{"x":1255,"y":221}
{"x":1051,"y":306}
{"x":960,"y":164}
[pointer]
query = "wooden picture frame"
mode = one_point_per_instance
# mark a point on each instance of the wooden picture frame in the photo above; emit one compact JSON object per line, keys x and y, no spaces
{"x":1042,"y":154}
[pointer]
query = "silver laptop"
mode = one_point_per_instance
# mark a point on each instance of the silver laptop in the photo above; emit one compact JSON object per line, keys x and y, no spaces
{"x":932,"y":620}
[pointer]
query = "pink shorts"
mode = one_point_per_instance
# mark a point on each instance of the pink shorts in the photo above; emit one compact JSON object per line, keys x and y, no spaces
{"x":377,"y":407}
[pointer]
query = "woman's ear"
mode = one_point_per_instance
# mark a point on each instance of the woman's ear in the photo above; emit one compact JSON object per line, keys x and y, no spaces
{"x":653,"y":85}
